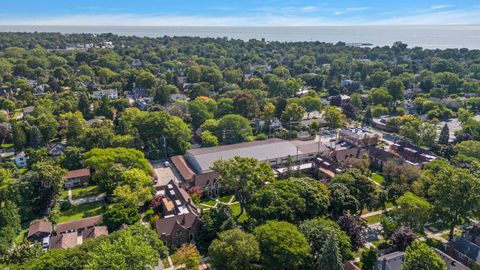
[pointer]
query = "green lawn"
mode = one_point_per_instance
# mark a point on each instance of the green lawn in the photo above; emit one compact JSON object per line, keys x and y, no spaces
{"x":21,"y":236}
{"x":81,"y":192}
{"x":378,"y":178}
{"x":373,"y":219}
{"x":236,"y":210}
{"x":208,"y":202}
{"x":226,"y":199}
{"x":81,"y":211}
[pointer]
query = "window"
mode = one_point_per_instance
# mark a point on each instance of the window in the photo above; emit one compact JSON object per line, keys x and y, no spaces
{"x":191,"y":237}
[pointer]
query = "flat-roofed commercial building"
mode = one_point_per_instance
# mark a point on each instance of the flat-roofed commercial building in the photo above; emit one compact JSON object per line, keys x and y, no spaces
{"x":276,"y":152}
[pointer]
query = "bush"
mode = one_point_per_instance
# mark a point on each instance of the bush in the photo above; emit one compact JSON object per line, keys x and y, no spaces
{"x":119,"y":214}
{"x":65,"y":205}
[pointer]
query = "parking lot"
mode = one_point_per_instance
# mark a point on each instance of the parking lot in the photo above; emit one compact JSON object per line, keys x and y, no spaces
{"x":163,"y":173}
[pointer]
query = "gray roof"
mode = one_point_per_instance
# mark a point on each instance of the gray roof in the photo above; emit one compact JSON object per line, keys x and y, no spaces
{"x":467,"y":248}
{"x":260,"y":150}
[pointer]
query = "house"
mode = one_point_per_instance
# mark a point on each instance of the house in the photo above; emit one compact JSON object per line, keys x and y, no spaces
{"x":39,"y":229}
{"x":378,"y":157}
{"x":451,"y":263}
{"x":412,"y":154}
{"x":350,"y":266}
{"x":27,"y":111}
{"x":206,"y":184}
{"x":392,"y":261}
{"x":325,"y":169}
{"x":139,"y":92}
{"x":20,"y":159}
{"x":64,"y":240}
{"x":56,"y":149}
{"x":182,"y":168}
{"x":181,"y":222}
{"x":178,"y":230}
{"x":411,"y":92}
{"x":473,"y":234}
{"x":77,"y":225}
{"x":94,"y":232}
{"x":77,"y":178}
{"x":359,"y":137}
{"x":95,"y":121}
{"x":175,"y":97}
{"x":464,"y":251}
{"x":110,"y":93}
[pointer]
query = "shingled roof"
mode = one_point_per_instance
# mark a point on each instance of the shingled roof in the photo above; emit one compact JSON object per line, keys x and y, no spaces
{"x":78,"y":173}
{"x":94,"y":232}
{"x":41,"y":226}
{"x":165,"y":226}
{"x":65,"y":240}
{"x":183,"y":168}
{"x":78,"y":224}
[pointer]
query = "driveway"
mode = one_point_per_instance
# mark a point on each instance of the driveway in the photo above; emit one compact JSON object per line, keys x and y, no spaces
{"x":163,"y":174}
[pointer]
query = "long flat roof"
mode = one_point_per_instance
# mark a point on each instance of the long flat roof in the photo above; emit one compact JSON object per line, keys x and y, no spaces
{"x":260,"y":150}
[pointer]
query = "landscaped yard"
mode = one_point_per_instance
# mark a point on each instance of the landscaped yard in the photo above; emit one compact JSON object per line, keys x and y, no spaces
{"x":208,"y":202}
{"x":226,"y":199}
{"x":236,"y":210}
{"x":21,"y":236}
{"x":81,"y":192}
{"x":373,"y":219}
{"x":81,"y":211}
{"x":378,"y":178}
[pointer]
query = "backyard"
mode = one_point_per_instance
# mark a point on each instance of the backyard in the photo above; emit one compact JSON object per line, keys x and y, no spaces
{"x":82,"y":211}
{"x":81,"y":192}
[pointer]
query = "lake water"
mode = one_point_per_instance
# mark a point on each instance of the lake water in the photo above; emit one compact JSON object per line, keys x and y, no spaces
{"x":431,"y":37}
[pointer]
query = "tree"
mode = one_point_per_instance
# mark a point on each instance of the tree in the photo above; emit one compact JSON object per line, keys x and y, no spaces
{"x":330,"y":257}
{"x":359,"y":186}
{"x":119,"y":214}
{"x":293,"y":113}
{"x":456,"y":195}
{"x":161,"y":95}
{"x":421,"y":257}
{"x":243,"y":176}
{"x":317,"y":231}
{"x":73,"y":124}
{"x":187,"y":255}
{"x":208,"y":139}
{"x":412,"y":211}
{"x":35,"y":138}
{"x":135,"y":188}
{"x":9,"y":225}
{"x":402,"y":238}
{"x":72,"y":158}
{"x":145,"y":79}
{"x":245,"y":104}
{"x":369,"y":258}
{"x":136,"y":247}
{"x":395,"y":88}
{"x":233,"y":128}
{"x":109,"y":163}
{"x":334,"y":117}
{"x":341,"y":201}
{"x":444,"y":135}
{"x":353,"y":227}
{"x":216,"y":220}
{"x":380,"y":96}
{"x":289,"y":200}
{"x":234,"y":249}
{"x":19,"y":135}
{"x":282,"y":246}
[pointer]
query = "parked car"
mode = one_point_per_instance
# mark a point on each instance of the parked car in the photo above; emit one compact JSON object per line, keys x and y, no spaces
{"x":166,"y":163}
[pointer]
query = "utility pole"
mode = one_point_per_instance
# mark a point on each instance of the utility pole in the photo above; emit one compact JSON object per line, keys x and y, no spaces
{"x":165,"y":146}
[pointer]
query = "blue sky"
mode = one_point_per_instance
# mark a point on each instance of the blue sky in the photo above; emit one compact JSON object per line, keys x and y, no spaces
{"x":239,"y":12}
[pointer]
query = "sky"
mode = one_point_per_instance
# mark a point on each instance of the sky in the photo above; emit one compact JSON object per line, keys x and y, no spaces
{"x":238,"y":12}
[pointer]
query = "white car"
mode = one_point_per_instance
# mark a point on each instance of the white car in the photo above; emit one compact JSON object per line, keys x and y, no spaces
{"x":166,"y":163}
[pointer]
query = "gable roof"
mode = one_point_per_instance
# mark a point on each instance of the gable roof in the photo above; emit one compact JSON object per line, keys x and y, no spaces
{"x":41,"y":226}
{"x":166,"y":226}
{"x":78,"y":173}
{"x":183,"y":168}
{"x":201,"y":180}
{"x":94,"y":232}
{"x":65,"y":240}
{"x":467,"y":248}
{"x":78,"y":224}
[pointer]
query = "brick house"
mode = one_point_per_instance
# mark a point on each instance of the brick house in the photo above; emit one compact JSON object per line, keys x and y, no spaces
{"x":77,"y":178}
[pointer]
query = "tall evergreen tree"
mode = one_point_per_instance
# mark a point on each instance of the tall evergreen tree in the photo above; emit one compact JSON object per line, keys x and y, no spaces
{"x":35,"y":138}
{"x":444,"y":135}
{"x":330,"y":258}
{"x":9,"y":225}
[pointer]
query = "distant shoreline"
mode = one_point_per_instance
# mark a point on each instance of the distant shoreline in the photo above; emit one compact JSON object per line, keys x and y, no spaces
{"x":425,"y":36}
